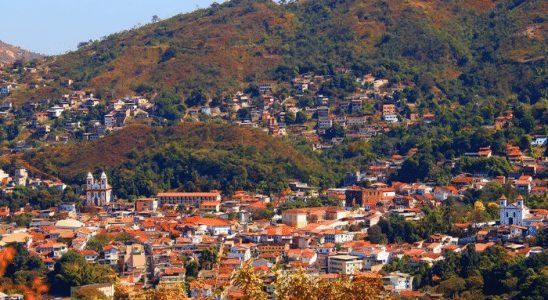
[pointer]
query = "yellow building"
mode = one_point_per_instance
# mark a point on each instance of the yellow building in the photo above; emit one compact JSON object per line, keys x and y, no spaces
{"x":344,"y":264}
{"x":294,"y":218}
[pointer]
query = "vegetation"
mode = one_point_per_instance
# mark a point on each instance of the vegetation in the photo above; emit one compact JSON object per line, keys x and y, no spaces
{"x":73,"y":270}
{"x":487,"y":274}
{"x":301,"y":285}
{"x":192,"y":157}
{"x":463,"y":49}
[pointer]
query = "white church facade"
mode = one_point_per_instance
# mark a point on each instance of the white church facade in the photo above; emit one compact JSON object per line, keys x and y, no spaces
{"x":98,"y":192}
{"x":513,"y":214}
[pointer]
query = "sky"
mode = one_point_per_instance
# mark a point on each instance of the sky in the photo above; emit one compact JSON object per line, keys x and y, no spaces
{"x":57,"y":26}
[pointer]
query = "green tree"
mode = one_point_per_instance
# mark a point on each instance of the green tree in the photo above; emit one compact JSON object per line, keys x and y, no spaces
{"x":301,"y":117}
{"x":290,"y":117}
{"x":191,"y":268}
{"x":197,"y":97}
{"x":209,"y":257}
{"x":73,"y":270}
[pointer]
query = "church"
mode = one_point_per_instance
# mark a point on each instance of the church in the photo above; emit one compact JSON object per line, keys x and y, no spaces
{"x":513,"y":214}
{"x":98,"y":192}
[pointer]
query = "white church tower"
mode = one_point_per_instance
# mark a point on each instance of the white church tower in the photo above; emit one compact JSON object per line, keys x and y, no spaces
{"x":512,"y":214}
{"x":98,"y":192}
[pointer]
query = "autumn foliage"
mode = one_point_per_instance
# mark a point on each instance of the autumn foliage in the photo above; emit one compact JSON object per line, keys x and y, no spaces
{"x":300,"y":285}
{"x":37,"y":286}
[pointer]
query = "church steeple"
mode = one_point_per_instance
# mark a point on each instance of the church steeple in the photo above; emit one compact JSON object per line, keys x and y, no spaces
{"x":98,"y":192}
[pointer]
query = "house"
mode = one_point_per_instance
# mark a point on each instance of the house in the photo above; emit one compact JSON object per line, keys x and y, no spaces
{"x":110,"y":120}
{"x":336,"y":236}
{"x":194,"y":199}
{"x":295,"y":217}
{"x":215,"y":226}
{"x":325,"y":123}
{"x":90,"y":255}
{"x":109,"y":255}
{"x":540,"y":141}
{"x":344,"y":264}
{"x":388,"y":109}
{"x":67,"y":207}
{"x":6,"y":105}
{"x":172,"y":276}
{"x":56,"y":249}
{"x":400,"y":281}
{"x":6,"y":90}
{"x":390,"y":119}
{"x":146,"y":205}
{"x":265,"y":87}
{"x":356,"y":104}
{"x":210,"y":206}
{"x":200,"y":289}
{"x":231,"y":262}
{"x":134,"y":259}
{"x":442,"y":193}
{"x":240,"y":252}
{"x":55,"y":112}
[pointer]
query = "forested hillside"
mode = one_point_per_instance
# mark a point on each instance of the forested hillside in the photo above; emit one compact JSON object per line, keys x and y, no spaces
{"x":463,"y":49}
{"x":141,"y":160}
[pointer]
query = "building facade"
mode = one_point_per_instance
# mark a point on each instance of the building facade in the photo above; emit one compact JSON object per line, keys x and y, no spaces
{"x":513,"y":214}
{"x":194,"y":199}
{"x":98,"y":192}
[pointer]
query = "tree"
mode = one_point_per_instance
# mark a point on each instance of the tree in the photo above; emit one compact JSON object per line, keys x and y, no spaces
{"x":262,"y":213}
{"x":73,"y":270}
{"x":301,"y":117}
{"x":375,"y":235}
{"x":299,"y":285}
{"x":99,"y":241}
{"x":290,"y":117}
{"x":89,"y":293}
{"x":525,"y":143}
{"x":197,"y":97}
{"x":335,"y":131}
{"x":209,"y":257}
{"x":191,"y":269}
{"x":155,"y":19}
{"x":452,"y":287}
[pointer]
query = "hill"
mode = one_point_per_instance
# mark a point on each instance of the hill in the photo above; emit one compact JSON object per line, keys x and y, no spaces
{"x":465,"y":47}
{"x":9,"y":54}
{"x":142,"y":160}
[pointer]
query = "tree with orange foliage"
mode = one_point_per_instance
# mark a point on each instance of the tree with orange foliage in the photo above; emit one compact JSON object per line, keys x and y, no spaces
{"x":32,"y":291}
{"x":161,"y":292}
{"x":302,"y":286}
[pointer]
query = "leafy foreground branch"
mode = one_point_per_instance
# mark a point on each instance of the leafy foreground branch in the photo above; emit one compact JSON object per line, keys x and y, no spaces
{"x":299,"y":285}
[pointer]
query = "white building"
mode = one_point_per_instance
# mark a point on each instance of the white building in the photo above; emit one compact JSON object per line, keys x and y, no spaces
{"x":390,"y":118}
{"x":55,"y":111}
{"x":98,"y":192}
{"x":400,"y":281}
{"x":241,"y":252}
{"x":512,"y":214}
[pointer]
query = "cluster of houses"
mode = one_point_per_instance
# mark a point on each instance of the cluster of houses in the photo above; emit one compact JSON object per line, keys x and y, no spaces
{"x":382,"y":112}
{"x":324,"y":241}
{"x":43,"y":123}
{"x":21,"y":177}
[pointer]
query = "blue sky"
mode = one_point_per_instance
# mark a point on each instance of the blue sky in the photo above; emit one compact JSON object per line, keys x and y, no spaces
{"x":57,"y":26}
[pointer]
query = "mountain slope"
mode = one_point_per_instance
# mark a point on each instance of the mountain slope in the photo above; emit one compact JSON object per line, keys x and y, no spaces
{"x":476,"y":46}
{"x":141,"y":160}
{"x":9,"y":54}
